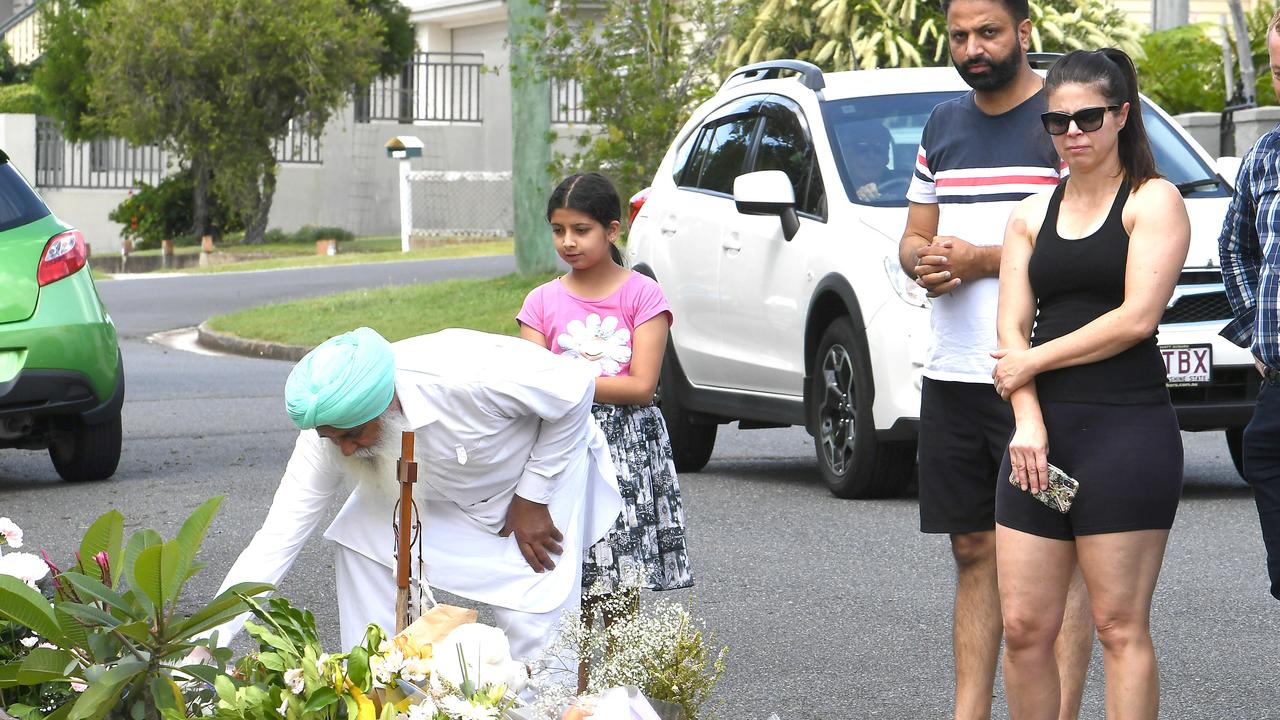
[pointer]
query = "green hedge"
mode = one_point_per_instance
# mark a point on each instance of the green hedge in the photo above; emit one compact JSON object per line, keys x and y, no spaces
{"x":21,"y":98}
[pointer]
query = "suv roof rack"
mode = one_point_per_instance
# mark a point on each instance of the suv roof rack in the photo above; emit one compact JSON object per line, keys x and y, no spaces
{"x":810,"y":74}
{"x":1043,"y":60}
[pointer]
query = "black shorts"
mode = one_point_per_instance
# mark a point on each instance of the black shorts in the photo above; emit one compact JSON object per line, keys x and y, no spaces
{"x":1127,"y":459}
{"x":964,"y":429}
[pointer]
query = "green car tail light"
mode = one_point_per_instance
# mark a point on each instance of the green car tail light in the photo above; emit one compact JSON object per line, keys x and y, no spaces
{"x":63,"y":255}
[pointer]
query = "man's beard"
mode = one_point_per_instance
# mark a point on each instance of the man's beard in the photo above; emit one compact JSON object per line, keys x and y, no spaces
{"x":999,"y":72}
{"x":375,"y":465}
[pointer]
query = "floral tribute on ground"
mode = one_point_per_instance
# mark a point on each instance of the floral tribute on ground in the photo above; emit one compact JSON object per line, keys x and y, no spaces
{"x":104,"y":638}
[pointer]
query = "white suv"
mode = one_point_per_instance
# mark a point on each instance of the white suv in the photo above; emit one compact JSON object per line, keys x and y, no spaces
{"x":790,"y":306}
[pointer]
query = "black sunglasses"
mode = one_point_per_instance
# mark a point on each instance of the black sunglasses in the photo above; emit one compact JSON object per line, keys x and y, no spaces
{"x":1087,"y":119}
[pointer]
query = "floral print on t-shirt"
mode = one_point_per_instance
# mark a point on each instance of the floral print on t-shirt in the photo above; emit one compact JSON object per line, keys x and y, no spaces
{"x":602,"y":342}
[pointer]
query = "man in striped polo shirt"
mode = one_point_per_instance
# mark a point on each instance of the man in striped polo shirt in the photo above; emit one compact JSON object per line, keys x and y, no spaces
{"x":979,"y":155}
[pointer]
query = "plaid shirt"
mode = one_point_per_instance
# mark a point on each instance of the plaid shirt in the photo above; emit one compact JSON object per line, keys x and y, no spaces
{"x":1249,"y":249}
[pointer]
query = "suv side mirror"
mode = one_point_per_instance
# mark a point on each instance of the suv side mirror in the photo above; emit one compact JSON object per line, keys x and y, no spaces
{"x":768,"y":192}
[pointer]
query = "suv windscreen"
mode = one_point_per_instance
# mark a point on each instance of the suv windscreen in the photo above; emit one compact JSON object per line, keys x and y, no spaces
{"x":874,"y":140}
{"x":19,"y":204}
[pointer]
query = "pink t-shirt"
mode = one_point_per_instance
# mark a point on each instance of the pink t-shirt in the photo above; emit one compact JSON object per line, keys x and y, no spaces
{"x":595,"y":330}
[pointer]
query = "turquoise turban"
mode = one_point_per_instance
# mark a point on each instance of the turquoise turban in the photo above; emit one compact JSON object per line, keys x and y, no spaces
{"x":345,"y":381}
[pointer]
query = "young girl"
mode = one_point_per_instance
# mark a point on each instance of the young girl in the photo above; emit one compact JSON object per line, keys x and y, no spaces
{"x":616,"y":319}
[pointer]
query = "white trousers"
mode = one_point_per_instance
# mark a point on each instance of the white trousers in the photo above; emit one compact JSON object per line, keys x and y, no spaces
{"x":367,"y":593}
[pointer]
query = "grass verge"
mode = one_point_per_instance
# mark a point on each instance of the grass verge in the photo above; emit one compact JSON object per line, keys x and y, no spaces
{"x":487,"y":304}
{"x":346,"y":257}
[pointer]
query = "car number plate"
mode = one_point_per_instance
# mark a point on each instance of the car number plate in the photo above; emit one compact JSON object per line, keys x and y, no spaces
{"x":1188,"y":364}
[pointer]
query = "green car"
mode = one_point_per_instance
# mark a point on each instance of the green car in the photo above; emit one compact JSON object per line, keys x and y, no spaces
{"x":61,"y":372}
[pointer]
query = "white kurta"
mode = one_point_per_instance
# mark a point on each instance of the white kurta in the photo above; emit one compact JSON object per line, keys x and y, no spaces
{"x":494,"y":416}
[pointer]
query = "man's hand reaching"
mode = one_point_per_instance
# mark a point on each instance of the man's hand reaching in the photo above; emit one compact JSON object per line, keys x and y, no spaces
{"x":536,"y":534}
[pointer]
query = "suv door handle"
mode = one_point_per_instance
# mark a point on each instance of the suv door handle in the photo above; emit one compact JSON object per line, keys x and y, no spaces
{"x":668,"y":226}
{"x":731,"y":243}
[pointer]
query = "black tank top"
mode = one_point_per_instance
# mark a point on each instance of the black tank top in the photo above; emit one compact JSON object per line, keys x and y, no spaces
{"x":1076,"y":281}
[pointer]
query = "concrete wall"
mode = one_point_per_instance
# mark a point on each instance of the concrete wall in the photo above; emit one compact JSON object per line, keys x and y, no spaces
{"x":1205,"y":128}
{"x":1253,"y":124}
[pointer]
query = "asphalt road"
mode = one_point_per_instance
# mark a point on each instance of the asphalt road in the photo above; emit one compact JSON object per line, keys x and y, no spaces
{"x":832,"y":609}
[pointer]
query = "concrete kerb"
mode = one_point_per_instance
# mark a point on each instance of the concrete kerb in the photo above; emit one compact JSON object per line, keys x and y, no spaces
{"x":231,"y":344}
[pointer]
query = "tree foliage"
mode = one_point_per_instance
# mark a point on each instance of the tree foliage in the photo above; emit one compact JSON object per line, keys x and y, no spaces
{"x":864,"y":34}
{"x":217,"y":81}
{"x":1182,"y":70}
{"x":397,"y":37}
{"x":62,"y":76}
{"x":1256,"y":22}
{"x":642,"y":66}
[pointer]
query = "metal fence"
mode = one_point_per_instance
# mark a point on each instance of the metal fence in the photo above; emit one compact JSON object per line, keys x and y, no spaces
{"x":434,"y":86}
{"x":112,"y":163}
{"x":298,"y":146}
{"x":107,"y":163}
{"x":566,"y":103}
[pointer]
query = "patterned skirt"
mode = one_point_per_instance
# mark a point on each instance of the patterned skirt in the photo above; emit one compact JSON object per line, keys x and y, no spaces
{"x":647,"y":543}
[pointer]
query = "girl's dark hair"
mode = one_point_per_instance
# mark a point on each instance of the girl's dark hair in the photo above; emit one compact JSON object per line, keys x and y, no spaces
{"x":593,"y":194}
{"x":1112,"y":72}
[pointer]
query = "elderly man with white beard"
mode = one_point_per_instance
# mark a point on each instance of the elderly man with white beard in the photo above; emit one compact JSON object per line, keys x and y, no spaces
{"x":514,"y":480}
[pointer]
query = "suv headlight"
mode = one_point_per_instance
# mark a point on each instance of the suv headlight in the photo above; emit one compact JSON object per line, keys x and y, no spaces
{"x":904,"y":284}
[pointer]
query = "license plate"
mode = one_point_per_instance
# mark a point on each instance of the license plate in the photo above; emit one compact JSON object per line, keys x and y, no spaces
{"x":1188,"y":364}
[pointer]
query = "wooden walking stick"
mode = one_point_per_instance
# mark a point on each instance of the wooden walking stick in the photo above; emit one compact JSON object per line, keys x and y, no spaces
{"x":407,"y":474}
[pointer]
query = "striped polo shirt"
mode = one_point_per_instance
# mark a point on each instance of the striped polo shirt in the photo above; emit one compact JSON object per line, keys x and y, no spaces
{"x":976,"y":167}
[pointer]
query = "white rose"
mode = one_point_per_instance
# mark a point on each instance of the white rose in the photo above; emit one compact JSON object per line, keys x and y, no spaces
{"x":294,"y":679}
{"x":10,"y":532}
{"x":424,"y":710}
{"x":487,"y":653}
{"x":26,"y":567}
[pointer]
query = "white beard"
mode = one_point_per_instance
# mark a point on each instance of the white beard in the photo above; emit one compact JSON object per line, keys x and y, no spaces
{"x":374,"y":467}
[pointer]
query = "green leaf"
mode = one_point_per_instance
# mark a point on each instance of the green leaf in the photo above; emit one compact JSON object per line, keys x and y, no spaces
{"x":205,"y":673}
{"x":139,"y":631}
{"x":272,"y":661}
{"x":9,"y":674}
{"x":95,"y":590}
{"x":72,"y":631}
{"x":173,"y":571}
{"x":193,"y":530}
{"x":221,"y":609}
{"x":89,"y":614}
{"x":166,"y":693}
{"x":358,"y":668}
{"x":104,"y":535}
{"x":44,"y":665}
{"x":102,"y":695}
{"x":226,"y":689}
{"x":27,"y":607}
{"x":148,"y":576}
{"x":138,"y":542}
{"x":320,"y":699}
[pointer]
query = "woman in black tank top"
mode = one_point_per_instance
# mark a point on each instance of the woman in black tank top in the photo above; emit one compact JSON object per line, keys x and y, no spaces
{"x":1085,"y":275}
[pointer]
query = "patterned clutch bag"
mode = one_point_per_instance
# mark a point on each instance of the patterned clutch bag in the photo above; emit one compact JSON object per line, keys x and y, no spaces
{"x":1060,"y":493}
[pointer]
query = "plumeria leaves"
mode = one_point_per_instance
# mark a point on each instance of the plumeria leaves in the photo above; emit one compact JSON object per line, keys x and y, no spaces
{"x":88,"y":586}
{"x":28,"y":608}
{"x":44,"y":665}
{"x":102,"y":696}
{"x":222,"y":608}
{"x":106,"y":534}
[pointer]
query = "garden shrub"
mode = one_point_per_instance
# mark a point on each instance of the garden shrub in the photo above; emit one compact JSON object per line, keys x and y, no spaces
{"x":1182,"y":70}
{"x":23,"y":98}
{"x":164,"y":212}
